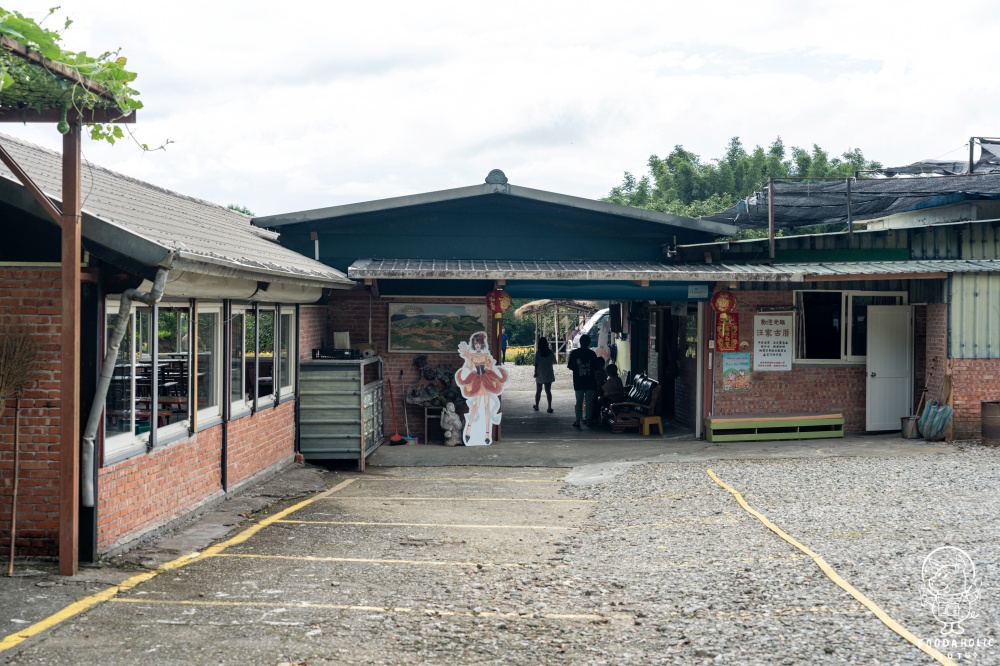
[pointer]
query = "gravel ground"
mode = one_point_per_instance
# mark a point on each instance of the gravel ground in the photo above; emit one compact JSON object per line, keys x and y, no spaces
{"x":656,"y":565}
{"x":721,"y":586}
{"x":521,"y":378}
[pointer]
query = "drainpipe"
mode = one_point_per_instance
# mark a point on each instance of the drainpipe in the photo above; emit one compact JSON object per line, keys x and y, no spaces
{"x":107,"y":370}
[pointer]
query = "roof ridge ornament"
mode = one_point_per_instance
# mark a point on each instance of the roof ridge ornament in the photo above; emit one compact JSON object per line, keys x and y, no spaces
{"x":496,"y":177}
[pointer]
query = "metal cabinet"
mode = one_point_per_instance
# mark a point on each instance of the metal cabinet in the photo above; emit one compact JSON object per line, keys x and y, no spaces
{"x":340,"y":409}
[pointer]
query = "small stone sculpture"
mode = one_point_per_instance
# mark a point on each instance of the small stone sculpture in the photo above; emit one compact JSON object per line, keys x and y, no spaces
{"x":451,"y":425}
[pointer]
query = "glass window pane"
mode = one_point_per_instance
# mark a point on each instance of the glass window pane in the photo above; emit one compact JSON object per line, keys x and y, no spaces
{"x":859,"y":320}
{"x":208,"y":352}
{"x":286,"y":340}
{"x":237,"y":392}
{"x":266,"y":342}
{"x":118,"y":410}
{"x":822,"y":324}
{"x":172,"y":366}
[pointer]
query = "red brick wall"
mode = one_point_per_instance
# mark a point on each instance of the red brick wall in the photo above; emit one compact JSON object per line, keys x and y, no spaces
{"x":30,"y":298}
{"x":312,"y":329}
{"x":838,"y":388}
{"x":349,"y":311}
{"x":148,"y":490}
{"x":260,"y":441}
{"x":975,"y":380}
{"x":937,"y":350}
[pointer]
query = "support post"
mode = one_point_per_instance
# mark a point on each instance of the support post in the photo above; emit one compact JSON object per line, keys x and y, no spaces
{"x":770,"y":217}
{"x":850,"y":219}
{"x":69,"y":368}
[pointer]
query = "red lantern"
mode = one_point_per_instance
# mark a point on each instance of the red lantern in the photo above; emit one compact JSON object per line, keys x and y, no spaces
{"x":497,"y":301}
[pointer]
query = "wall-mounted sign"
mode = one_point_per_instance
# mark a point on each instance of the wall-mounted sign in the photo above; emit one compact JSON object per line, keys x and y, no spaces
{"x":772,"y":341}
{"x":736,"y":375}
{"x":724,"y":301}
{"x":697,"y":292}
{"x":727,"y":332}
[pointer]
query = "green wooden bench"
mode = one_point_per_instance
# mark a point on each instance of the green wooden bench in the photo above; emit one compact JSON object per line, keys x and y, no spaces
{"x":762,"y":427}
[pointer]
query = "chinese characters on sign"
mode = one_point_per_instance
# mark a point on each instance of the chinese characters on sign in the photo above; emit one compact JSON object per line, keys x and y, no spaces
{"x":727,"y":332}
{"x":772,"y":341}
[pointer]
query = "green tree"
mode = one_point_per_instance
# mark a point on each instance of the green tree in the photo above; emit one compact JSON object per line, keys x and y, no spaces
{"x":684,"y":184}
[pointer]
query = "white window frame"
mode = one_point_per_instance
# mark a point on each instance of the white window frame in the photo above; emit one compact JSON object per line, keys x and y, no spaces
{"x":239,"y":406}
{"x":847,"y":317}
{"x":125,"y":445}
{"x":172,"y":430}
{"x":288,"y":383}
{"x":218,"y":361}
{"x":267,"y":399}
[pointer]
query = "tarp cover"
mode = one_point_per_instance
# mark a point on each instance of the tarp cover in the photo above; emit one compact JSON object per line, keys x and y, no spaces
{"x":799,"y":203}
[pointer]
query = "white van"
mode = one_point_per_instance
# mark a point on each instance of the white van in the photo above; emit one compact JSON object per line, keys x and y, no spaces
{"x":592,"y":327}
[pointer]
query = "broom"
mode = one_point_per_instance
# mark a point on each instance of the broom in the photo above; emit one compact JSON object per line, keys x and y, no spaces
{"x":406,"y":420}
{"x":18,"y":361}
{"x":396,"y":438}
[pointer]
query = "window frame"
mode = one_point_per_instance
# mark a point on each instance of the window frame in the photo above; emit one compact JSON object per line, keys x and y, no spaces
{"x":287,"y":383}
{"x":846,"y":329}
{"x":205,"y":414}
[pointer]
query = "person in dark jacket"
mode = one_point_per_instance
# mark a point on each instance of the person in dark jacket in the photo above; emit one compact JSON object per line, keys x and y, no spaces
{"x":583,"y":363}
{"x":544,"y":372}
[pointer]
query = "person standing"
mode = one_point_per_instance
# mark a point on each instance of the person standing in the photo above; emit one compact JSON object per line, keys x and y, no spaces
{"x":582,"y":363}
{"x":545,"y":372}
{"x":503,"y":345}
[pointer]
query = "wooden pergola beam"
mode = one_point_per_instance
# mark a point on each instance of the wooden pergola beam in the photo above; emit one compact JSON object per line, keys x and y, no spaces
{"x":10,"y":114}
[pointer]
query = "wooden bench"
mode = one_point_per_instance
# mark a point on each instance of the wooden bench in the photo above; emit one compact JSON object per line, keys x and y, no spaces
{"x":763,"y":427}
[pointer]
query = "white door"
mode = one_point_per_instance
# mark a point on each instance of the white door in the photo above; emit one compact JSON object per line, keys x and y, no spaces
{"x":890,"y":366}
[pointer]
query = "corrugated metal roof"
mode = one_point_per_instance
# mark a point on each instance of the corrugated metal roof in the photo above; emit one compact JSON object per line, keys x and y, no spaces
{"x":719,"y":228}
{"x":495,"y":269}
{"x":129,"y":215}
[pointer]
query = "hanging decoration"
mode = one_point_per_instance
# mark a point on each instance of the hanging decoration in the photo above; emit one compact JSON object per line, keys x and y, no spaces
{"x":498,"y":301}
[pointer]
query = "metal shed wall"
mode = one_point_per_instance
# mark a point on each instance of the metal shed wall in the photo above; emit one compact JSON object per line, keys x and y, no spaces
{"x":975,"y":315}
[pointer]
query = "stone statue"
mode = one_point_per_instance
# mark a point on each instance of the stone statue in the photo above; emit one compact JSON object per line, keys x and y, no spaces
{"x":451,"y":425}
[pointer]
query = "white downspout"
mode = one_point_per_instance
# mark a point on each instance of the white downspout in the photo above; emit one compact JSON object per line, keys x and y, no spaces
{"x":107,"y":370}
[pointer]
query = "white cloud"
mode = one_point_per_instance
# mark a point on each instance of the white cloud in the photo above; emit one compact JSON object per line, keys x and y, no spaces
{"x":304,"y":105}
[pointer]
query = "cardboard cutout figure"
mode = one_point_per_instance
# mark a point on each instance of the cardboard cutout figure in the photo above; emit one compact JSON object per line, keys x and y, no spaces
{"x":481,"y":382}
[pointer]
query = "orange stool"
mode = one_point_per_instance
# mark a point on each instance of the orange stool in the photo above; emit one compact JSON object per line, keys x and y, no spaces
{"x":646,"y":421}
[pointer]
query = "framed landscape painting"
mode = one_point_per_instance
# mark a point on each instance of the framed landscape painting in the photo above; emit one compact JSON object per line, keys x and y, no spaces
{"x":433,"y":327}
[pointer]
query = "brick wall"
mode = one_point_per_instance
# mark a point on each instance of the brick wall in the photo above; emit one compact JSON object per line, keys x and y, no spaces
{"x":839,"y":388}
{"x":260,"y":441}
{"x":975,"y":380}
{"x":349,"y":311}
{"x":936,"y":354}
{"x":149,"y":490}
{"x":312,"y":329}
{"x":30,"y":298}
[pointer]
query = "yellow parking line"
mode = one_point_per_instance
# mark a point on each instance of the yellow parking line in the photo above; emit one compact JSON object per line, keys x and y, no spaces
{"x":367,"y":560}
{"x":485,"y":527}
{"x":456,"y":478}
{"x":835,"y":577}
{"x":367,"y":609}
{"x":104,"y":595}
{"x":463,"y":499}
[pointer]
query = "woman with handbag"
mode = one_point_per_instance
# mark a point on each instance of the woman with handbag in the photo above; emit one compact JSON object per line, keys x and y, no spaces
{"x":545,"y":372}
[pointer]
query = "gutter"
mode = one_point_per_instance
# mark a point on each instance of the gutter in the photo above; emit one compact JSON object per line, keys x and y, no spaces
{"x":107,"y":370}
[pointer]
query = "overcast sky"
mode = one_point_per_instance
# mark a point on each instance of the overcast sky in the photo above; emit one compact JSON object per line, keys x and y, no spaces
{"x":286,"y":106}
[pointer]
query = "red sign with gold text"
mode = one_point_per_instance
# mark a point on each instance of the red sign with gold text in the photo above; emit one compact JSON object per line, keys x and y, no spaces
{"x":727,"y":332}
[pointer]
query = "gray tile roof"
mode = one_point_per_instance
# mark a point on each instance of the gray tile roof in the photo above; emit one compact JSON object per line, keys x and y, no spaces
{"x":637,"y":270}
{"x":145,"y":222}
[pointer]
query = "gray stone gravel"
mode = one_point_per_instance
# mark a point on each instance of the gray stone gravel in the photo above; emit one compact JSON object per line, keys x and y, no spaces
{"x":660,"y":566}
{"x":522,"y":377}
{"x":725,"y":586}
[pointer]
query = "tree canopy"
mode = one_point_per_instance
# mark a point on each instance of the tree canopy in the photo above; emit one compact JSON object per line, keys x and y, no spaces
{"x":684,"y":184}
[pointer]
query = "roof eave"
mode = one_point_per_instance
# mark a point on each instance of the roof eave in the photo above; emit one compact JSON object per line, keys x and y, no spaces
{"x":592,"y":205}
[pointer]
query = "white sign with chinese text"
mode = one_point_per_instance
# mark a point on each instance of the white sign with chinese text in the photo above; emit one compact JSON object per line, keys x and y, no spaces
{"x":772,"y":341}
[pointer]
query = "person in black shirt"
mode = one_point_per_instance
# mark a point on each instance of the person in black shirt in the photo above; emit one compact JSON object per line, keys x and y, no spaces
{"x":582,"y":363}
